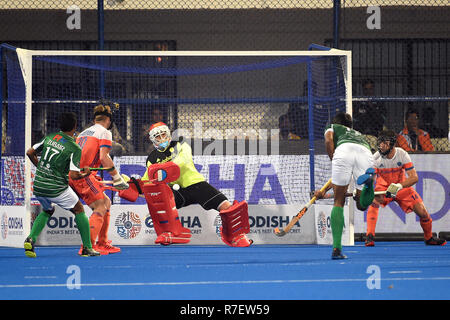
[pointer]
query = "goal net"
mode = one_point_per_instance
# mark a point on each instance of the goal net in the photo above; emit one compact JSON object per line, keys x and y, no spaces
{"x":255,"y":120}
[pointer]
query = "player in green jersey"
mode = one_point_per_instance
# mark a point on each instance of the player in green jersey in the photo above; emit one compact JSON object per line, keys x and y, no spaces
{"x":60,"y":157}
{"x":350,"y":157}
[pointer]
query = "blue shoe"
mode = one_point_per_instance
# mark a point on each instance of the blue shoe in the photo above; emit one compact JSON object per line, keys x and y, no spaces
{"x":367,"y":177}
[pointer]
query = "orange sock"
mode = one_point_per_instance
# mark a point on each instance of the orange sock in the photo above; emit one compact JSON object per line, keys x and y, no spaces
{"x":96,"y":222}
{"x":426,"y":226}
{"x":372,"y":217}
{"x":103,"y":234}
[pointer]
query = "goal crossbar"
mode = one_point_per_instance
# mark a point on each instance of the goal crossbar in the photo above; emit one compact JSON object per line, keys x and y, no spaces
{"x":331,"y":52}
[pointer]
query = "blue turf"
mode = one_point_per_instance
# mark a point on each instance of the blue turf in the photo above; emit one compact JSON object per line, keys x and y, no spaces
{"x":408,"y":270}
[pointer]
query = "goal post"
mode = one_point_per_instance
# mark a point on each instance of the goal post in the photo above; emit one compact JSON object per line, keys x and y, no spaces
{"x":219,"y":98}
{"x":345,"y":63}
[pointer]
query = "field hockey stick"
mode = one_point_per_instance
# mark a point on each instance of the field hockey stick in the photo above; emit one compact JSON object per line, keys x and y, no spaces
{"x":111,"y":182}
{"x":351,"y":194}
{"x":107,"y":182}
{"x":348,"y":194}
{"x":294,"y":220}
{"x":100,"y":169}
{"x":106,"y":186}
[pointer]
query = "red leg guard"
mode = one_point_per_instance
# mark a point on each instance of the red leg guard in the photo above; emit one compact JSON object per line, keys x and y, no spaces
{"x":235,"y":225}
{"x":162,"y":208}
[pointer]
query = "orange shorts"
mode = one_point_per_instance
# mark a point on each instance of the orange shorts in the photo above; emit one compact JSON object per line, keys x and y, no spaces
{"x":406,"y":198}
{"x":89,"y":189}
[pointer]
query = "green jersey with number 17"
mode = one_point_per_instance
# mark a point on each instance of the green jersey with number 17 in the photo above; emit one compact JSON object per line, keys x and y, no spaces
{"x":59,"y":154}
{"x":343,"y":134}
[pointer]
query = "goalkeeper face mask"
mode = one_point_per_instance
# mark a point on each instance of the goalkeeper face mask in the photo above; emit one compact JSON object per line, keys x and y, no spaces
{"x":160,"y":136}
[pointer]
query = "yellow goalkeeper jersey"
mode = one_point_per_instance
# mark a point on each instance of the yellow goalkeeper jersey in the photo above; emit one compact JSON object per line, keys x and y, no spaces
{"x":181,"y":154}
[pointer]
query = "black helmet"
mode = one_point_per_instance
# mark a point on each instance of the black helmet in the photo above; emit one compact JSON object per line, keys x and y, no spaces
{"x":113,"y":106}
{"x":386,"y":135}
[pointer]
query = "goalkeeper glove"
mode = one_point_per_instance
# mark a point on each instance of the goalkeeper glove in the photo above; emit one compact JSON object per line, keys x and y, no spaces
{"x":392,"y":190}
{"x":136,"y":181}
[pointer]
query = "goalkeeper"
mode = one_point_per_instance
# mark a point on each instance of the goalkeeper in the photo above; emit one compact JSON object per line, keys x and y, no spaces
{"x":96,"y":143}
{"x":60,"y":159}
{"x":395,"y":173}
{"x":192,"y":188}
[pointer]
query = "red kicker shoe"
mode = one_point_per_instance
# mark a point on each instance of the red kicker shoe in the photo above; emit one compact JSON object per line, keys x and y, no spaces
{"x":240,"y":240}
{"x":167,"y":238}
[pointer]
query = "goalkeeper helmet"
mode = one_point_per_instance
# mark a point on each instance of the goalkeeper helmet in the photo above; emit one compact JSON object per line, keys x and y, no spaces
{"x":386,"y":136}
{"x":159,"y":134}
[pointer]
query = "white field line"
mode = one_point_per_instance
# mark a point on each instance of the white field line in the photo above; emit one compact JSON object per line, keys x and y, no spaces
{"x":194,"y":283}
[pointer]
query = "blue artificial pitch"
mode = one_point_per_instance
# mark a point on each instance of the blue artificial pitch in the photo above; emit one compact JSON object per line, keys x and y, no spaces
{"x":388,"y":271}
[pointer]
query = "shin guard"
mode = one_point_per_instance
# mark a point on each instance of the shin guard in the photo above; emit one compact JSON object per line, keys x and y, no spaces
{"x":161,"y":205}
{"x":235,"y":225}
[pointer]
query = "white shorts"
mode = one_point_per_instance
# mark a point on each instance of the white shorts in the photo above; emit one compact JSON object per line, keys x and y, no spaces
{"x":350,"y":160}
{"x":66,"y":200}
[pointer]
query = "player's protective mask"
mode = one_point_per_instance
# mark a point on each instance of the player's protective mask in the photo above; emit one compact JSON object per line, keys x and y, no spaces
{"x":390,"y":140}
{"x":160,"y":136}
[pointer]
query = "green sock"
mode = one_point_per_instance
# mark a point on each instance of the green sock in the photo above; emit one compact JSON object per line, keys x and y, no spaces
{"x":38,"y":225}
{"x":82,"y":222}
{"x":367,"y":196}
{"x":337,"y":225}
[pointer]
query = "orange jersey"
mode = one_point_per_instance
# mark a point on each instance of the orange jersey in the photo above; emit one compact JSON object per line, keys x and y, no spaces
{"x":423,"y":142}
{"x":90,"y":141}
{"x":392,"y":170}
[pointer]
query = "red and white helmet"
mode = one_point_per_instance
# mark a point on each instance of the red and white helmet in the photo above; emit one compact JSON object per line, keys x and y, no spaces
{"x":160,"y":136}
